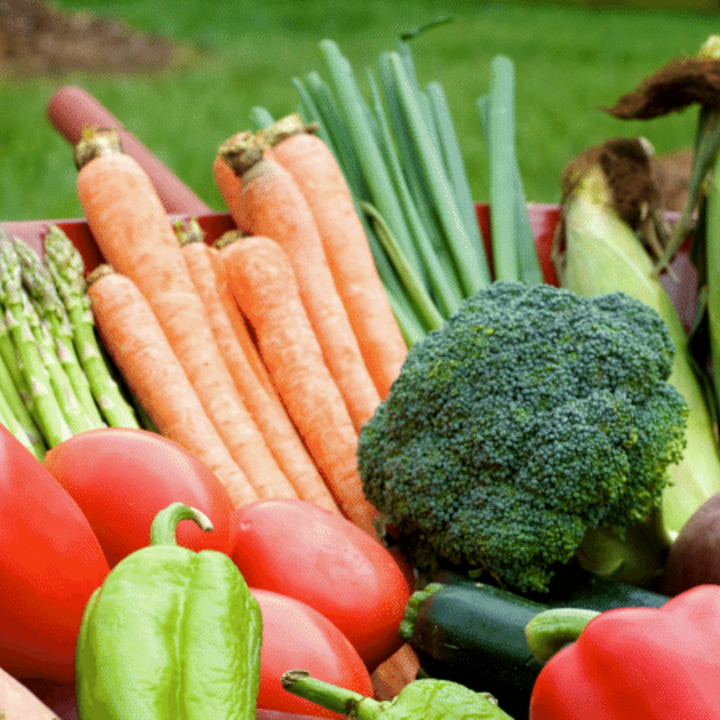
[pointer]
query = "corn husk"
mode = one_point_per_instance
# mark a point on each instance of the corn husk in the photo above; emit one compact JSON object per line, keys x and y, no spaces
{"x":602,"y":253}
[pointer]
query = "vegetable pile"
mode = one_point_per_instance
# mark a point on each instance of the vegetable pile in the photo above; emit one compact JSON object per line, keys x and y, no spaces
{"x":326,"y":462}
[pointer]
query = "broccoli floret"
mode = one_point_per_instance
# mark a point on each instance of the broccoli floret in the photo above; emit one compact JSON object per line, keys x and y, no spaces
{"x":532,"y":417}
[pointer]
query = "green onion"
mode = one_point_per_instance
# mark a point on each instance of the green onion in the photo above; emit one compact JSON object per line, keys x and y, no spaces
{"x":427,"y":311}
{"x":468,"y":260}
{"x":402,"y":160}
{"x":452,"y":157}
{"x":420,"y":254}
{"x":261,"y":117}
{"x":356,"y":119}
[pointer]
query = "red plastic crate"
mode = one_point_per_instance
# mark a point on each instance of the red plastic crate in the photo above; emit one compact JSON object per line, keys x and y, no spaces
{"x":544,"y":217}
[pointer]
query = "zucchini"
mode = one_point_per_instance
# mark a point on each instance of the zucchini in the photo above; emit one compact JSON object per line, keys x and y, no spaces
{"x":574,"y":587}
{"x":474,"y":633}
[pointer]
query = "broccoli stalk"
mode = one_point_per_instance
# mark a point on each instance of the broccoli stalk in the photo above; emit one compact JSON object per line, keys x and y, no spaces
{"x":426,"y":698}
{"x":535,"y":427}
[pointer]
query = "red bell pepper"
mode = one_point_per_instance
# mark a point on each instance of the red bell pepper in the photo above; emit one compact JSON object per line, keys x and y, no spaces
{"x":50,"y":563}
{"x":650,"y":663}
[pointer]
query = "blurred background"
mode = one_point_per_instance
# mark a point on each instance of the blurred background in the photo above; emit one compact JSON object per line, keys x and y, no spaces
{"x":183,"y":77}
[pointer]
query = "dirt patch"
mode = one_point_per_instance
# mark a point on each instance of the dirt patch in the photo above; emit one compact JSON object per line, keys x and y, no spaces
{"x":37,"y":39}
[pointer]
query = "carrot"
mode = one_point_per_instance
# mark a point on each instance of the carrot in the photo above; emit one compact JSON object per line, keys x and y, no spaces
{"x":138,"y":346}
{"x":228,"y":183}
{"x":235,"y":317}
{"x":208,"y":273}
{"x":135,"y":236}
{"x":321,"y":181}
{"x":271,"y":204}
{"x":262,"y":279}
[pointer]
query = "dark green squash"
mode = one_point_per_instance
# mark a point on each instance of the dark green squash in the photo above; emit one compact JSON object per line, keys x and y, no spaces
{"x":474,"y":633}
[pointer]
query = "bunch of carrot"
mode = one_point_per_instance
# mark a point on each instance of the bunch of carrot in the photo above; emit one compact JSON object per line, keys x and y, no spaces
{"x":265,"y":353}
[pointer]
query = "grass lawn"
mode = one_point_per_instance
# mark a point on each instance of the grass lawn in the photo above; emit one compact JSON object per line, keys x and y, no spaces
{"x":568,"y":61}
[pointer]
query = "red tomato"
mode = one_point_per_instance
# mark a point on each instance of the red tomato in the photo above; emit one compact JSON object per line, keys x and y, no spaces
{"x":295,"y":636}
{"x":50,"y":564}
{"x":299,"y":549}
{"x":122,"y":478}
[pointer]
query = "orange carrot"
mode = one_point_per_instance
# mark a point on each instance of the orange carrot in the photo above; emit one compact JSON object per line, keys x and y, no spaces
{"x":228,"y":183}
{"x":321,"y":181}
{"x":262,"y":279}
{"x":271,"y":204}
{"x":207,"y":270}
{"x":135,"y":236}
{"x":235,"y":317}
{"x":133,"y":337}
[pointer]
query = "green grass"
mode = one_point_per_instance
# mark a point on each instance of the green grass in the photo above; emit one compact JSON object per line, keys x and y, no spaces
{"x":569,"y":60}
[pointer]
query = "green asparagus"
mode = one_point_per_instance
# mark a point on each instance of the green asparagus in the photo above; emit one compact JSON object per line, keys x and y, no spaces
{"x":38,"y":282}
{"x":48,"y":414}
{"x":67,"y":270}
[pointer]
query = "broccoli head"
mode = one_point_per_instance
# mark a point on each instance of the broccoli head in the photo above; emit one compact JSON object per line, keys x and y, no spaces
{"x":531,"y":418}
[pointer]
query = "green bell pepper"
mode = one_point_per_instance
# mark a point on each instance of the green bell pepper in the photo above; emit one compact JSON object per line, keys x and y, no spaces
{"x":171,"y":633}
{"x":421,"y":699}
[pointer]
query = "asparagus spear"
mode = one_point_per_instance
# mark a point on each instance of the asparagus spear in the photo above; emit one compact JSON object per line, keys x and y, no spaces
{"x":17,"y":388}
{"x":67,"y":270}
{"x":39,"y":284}
{"x":68,"y":401}
{"x":49,"y":415}
{"x":19,"y":420}
{"x":11,"y":423}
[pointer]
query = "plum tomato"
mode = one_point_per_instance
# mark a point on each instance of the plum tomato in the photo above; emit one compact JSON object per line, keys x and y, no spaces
{"x":319,"y":557}
{"x":295,"y":636}
{"x":121,"y":478}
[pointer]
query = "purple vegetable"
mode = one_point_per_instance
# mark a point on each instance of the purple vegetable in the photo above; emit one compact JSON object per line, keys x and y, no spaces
{"x":694,"y":557}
